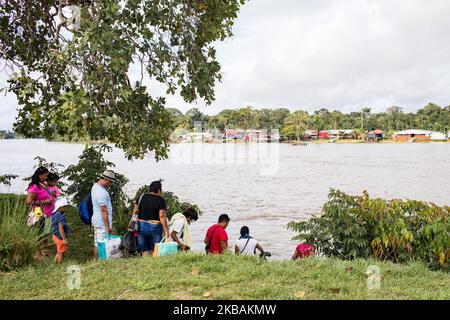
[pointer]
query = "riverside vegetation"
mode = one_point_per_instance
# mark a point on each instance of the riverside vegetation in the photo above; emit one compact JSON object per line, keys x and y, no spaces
{"x":353,"y":227}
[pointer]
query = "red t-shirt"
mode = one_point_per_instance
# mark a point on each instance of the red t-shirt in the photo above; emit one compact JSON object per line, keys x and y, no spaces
{"x":218,"y":236}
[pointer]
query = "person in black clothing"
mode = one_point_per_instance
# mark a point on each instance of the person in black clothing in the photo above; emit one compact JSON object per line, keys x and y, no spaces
{"x":152,"y":218}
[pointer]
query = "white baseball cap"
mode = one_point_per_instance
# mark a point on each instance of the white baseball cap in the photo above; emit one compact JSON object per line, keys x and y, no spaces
{"x":60,"y":203}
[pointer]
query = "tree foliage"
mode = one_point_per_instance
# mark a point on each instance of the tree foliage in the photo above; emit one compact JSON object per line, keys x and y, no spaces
{"x":430,"y":117}
{"x":6,"y":179}
{"x":82,"y":176}
{"x":71,"y":71}
{"x":296,"y":125}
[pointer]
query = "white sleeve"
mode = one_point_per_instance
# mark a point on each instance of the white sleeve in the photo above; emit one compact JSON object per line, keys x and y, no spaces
{"x":177,"y":226}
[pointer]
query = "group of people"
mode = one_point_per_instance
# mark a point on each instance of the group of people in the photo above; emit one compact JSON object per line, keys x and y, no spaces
{"x":151,"y":218}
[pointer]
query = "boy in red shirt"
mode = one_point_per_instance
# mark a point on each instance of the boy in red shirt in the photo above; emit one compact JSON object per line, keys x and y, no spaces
{"x":216,"y":239}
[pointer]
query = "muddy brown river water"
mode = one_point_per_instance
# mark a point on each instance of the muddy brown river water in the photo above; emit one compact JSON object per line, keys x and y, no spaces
{"x":263,"y":186}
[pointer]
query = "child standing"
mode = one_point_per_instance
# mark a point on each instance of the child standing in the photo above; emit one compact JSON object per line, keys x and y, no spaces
{"x":60,"y":229}
{"x":52,"y":181}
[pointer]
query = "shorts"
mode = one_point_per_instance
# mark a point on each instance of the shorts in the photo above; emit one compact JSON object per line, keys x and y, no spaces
{"x":60,"y":246}
{"x":100,"y":235}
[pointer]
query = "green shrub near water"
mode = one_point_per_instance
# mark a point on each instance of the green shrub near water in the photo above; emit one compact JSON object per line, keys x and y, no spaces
{"x":173,"y":203}
{"x":18,"y":242}
{"x":86,"y":172}
{"x":397,"y":230}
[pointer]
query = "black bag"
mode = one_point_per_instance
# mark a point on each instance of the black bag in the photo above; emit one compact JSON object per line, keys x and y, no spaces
{"x":129,"y":243}
{"x":133,"y":225}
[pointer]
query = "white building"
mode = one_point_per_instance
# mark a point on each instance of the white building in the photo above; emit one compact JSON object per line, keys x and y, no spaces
{"x":437,"y":136}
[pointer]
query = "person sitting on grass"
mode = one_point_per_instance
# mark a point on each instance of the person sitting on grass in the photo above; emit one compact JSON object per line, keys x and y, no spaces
{"x":60,"y":230}
{"x":179,"y":228}
{"x":303,"y":250}
{"x":216,"y":239}
{"x":246,"y":245}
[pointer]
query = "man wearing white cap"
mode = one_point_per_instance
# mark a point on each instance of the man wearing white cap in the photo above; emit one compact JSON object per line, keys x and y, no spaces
{"x":102,"y":208}
{"x":60,"y":230}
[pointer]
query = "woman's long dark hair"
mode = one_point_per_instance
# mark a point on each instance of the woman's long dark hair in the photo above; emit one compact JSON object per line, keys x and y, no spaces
{"x":35,"y":178}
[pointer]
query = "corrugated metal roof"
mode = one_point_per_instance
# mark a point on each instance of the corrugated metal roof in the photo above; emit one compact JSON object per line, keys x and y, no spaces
{"x":434,"y":135}
{"x":412,"y":131}
{"x":437,"y":136}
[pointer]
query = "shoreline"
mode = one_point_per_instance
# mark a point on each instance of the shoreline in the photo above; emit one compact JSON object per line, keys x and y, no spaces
{"x":293,"y":142}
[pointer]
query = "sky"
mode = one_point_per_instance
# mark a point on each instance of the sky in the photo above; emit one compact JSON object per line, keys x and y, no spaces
{"x":338,"y":54}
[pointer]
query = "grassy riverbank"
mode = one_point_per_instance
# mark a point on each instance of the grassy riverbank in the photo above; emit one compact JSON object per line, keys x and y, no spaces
{"x":195,"y":276}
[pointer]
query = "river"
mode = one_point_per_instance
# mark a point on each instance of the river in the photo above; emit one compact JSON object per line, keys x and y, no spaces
{"x":263,"y":186}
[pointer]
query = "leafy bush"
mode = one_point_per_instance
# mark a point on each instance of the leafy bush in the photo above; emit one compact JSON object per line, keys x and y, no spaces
{"x":122,"y":214}
{"x":396,"y":230}
{"x":18,"y":242}
{"x":5,"y":179}
{"x":87,"y":171}
{"x":173,"y":203}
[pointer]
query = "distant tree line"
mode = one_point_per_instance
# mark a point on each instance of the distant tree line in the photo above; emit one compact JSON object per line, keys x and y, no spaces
{"x":294,"y":124}
{"x":4,"y":134}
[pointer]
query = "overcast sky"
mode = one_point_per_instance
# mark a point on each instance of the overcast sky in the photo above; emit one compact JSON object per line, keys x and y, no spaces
{"x":338,"y":54}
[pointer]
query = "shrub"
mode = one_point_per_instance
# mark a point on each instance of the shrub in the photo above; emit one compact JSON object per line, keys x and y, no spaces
{"x":396,"y":230}
{"x":173,"y":203}
{"x":6,"y":179}
{"x":18,"y":242}
{"x":87,"y":171}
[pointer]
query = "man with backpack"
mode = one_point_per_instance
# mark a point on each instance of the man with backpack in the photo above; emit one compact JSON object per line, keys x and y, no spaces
{"x":216,"y":239}
{"x":102,"y":209}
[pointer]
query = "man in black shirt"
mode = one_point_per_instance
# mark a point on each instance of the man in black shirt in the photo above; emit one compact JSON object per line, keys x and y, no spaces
{"x":151,"y":209}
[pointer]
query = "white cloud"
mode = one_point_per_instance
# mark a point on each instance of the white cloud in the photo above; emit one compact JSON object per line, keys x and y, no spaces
{"x":339,"y":54}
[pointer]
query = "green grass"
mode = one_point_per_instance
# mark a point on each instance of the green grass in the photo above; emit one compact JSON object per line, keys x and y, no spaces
{"x":189,"y":276}
{"x":224,"y":277}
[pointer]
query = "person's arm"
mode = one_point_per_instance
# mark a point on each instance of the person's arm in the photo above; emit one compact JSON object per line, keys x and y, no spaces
{"x":61,"y":232}
{"x":223,"y":245}
{"x":104,"y":211}
{"x":236,"y":249}
{"x":175,"y":238}
{"x":163,"y":219}
{"x":258,"y":246}
{"x":206,"y":241}
{"x":30,"y":198}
